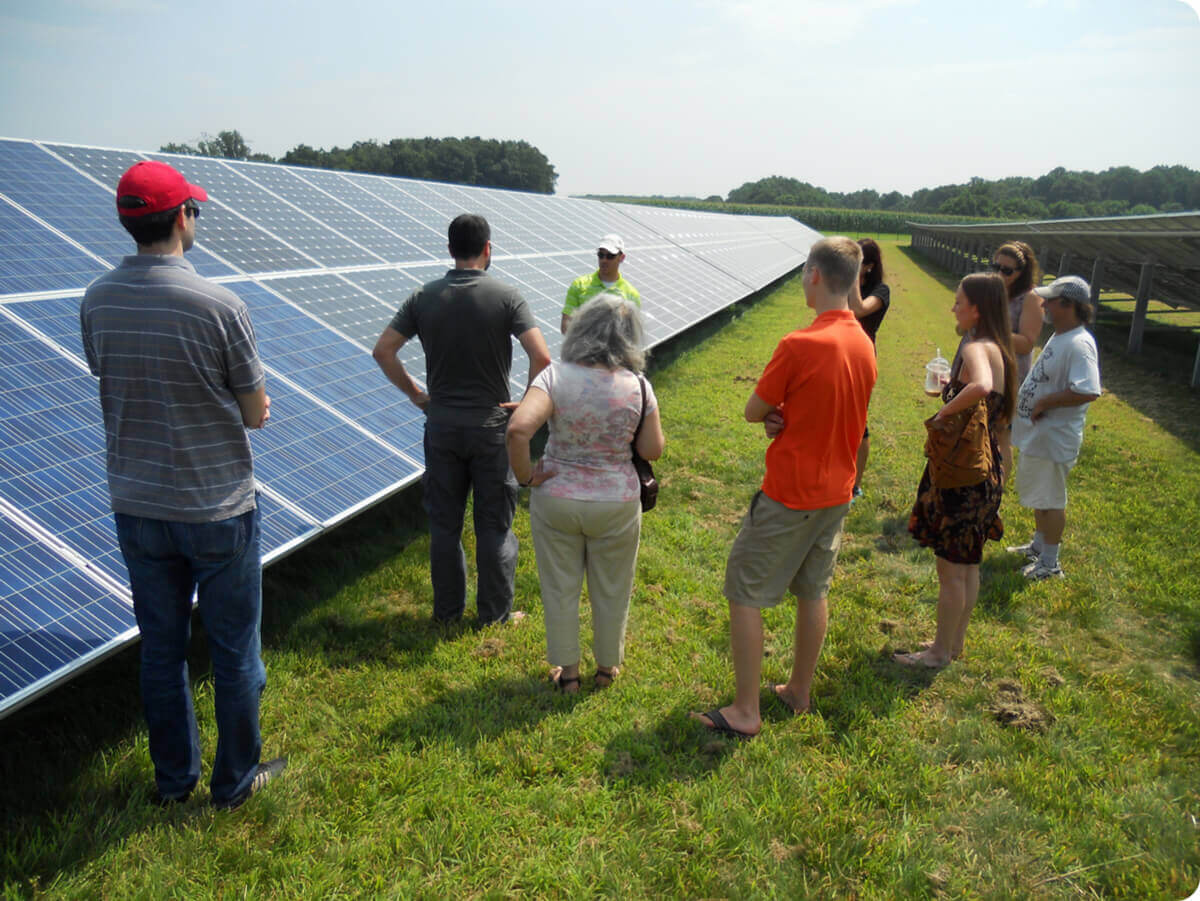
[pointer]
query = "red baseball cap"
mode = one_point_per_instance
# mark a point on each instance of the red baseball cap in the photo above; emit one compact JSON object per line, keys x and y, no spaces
{"x":153,"y":187}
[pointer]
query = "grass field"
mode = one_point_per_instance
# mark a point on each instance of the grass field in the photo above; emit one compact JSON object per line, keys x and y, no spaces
{"x":1059,"y":758}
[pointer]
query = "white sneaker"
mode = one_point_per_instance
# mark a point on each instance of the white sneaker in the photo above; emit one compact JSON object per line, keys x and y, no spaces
{"x":1036,"y":571}
{"x":1027,"y":550}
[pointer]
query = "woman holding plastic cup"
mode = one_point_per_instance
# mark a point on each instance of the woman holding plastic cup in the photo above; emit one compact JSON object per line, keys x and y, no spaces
{"x":955,"y":514}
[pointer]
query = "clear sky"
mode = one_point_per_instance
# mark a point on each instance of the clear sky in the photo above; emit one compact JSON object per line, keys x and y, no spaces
{"x":631,"y":96}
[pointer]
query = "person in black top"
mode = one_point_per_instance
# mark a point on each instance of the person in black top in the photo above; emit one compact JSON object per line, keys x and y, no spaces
{"x":465,"y":322}
{"x":869,"y":304}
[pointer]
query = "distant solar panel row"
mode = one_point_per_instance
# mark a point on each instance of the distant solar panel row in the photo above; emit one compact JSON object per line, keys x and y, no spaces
{"x":322,"y":259}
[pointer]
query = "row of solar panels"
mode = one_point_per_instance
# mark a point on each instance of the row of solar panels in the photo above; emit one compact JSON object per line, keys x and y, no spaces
{"x":323,"y":259}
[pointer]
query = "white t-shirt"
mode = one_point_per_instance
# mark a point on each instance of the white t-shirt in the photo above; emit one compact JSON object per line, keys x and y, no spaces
{"x":1068,"y":361}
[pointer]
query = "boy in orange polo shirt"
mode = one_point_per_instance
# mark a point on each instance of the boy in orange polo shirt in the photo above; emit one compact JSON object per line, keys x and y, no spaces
{"x":819,"y":380}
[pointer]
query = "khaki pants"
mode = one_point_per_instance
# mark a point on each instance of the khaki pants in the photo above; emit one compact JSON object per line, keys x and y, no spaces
{"x":573,"y":537}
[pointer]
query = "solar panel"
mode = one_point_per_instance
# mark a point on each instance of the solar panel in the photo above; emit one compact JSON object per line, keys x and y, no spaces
{"x":322,"y":259}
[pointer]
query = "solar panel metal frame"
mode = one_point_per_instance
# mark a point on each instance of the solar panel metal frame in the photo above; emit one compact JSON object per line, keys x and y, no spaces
{"x":323,"y":278}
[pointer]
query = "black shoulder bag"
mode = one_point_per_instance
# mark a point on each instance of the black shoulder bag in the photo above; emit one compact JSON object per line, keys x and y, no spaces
{"x":645,"y":474}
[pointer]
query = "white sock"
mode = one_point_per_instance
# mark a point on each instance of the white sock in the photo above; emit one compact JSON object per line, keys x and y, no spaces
{"x":1037,"y":543}
{"x":1049,"y":555}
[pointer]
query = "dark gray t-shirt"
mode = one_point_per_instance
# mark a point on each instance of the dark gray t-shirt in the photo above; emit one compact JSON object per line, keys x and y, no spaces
{"x":466,"y":322}
{"x":172,"y":350}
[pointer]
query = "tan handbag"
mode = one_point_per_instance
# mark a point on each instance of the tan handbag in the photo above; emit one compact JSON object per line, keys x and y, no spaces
{"x":959,"y":448}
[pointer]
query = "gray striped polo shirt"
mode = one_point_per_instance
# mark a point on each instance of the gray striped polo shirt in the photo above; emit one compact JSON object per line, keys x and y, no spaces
{"x":171,"y":350}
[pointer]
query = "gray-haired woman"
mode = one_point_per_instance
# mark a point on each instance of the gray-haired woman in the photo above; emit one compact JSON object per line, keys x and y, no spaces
{"x":585,"y":510}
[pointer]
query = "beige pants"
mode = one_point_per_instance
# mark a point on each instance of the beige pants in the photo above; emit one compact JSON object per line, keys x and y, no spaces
{"x":597,"y":537}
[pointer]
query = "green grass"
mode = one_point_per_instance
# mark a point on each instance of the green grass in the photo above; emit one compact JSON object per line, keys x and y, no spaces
{"x":439,"y":763}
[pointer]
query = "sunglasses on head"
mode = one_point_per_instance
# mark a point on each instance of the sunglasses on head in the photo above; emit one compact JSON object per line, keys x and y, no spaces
{"x":1003,"y":270}
{"x":605,"y":255}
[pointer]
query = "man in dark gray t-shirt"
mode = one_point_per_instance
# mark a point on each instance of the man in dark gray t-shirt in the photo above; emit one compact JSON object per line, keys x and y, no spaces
{"x":180,"y":382}
{"x":466,"y":321}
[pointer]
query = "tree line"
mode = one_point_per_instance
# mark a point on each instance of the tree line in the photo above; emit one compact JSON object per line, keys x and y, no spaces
{"x":484,"y":162}
{"x":1059,"y":194}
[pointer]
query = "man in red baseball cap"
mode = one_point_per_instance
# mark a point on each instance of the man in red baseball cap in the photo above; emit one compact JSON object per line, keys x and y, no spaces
{"x":152,"y":187}
{"x":180,"y":383}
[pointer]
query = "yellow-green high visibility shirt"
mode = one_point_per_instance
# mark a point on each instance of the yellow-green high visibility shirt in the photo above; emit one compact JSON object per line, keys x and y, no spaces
{"x":586,"y":287}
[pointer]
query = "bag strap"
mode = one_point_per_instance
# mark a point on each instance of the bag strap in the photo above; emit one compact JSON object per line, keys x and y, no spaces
{"x":638,"y":430}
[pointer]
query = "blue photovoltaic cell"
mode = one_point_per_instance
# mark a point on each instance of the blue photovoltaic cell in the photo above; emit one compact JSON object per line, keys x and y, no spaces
{"x":347,"y":380}
{"x":52,"y":447}
{"x":107,"y":167}
{"x":74,"y":205}
{"x":399,"y":213}
{"x":373,"y":237}
{"x":33,"y":258}
{"x":339,"y":304}
{"x":280,"y":527}
{"x":227,"y":232}
{"x":323,"y":260}
{"x":53,"y":614}
{"x":227,"y":185}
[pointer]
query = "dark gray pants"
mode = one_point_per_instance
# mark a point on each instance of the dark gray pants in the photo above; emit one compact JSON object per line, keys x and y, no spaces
{"x":459,"y":459}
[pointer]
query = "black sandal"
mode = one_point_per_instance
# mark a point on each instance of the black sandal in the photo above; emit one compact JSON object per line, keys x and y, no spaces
{"x":610,"y":675}
{"x":561,"y":682}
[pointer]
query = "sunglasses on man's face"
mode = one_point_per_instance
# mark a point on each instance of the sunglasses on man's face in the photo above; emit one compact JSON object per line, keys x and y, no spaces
{"x":605,"y":255}
{"x":1002,"y":269}
{"x":192,"y":209}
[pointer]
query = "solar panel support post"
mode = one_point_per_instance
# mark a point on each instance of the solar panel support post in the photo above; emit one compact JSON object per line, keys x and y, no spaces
{"x":1097,"y":277}
{"x":1196,"y":369}
{"x":1045,"y":258}
{"x":1064,"y":264}
{"x":1138,"y":327}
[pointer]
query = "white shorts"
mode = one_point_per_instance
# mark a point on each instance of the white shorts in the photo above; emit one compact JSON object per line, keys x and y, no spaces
{"x":1042,"y":483}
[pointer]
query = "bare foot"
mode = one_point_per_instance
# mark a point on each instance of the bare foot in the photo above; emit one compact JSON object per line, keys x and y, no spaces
{"x":926,"y":645}
{"x":516,"y":616}
{"x":727,"y":721}
{"x":924,"y":658}
{"x":789,"y":701}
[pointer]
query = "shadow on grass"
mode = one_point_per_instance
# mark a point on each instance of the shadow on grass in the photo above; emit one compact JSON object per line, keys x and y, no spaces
{"x":1000,"y":580}
{"x":893,"y":534}
{"x":1154,"y":383}
{"x":944,"y":277}
{"x":677,"y":749}
{"x":857,"y":691}
{"x":48,"y":747}
{"x":464,"y":717}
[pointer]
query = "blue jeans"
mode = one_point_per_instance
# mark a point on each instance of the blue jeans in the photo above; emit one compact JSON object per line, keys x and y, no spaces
{"x":458,"y":459}
{"x":221,"y":562}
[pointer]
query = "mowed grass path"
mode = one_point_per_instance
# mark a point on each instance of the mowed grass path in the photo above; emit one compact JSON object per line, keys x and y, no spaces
{"x":1060,"y":757}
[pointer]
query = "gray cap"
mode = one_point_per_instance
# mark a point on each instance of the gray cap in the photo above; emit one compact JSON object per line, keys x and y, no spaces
{"x":1072,"y":287}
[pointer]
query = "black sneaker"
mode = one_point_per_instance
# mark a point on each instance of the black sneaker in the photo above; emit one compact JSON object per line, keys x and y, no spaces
{"x":264,"y":774}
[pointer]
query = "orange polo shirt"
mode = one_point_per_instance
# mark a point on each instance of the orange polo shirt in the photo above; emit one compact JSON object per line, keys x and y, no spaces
{"x":821,"y":379}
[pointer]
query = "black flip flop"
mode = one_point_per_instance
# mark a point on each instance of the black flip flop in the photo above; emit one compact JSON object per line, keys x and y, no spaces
{"x":720,"y":724}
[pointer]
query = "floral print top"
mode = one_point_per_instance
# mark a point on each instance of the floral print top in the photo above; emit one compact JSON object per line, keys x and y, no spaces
{"x":596,"y":412}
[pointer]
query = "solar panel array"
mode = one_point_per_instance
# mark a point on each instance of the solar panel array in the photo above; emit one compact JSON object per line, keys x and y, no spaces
{"x":322,"y":259}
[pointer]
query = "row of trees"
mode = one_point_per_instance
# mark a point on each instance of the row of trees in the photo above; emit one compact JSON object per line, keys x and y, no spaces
{"x":465,"y":161}
{"x":1059,"y":194}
